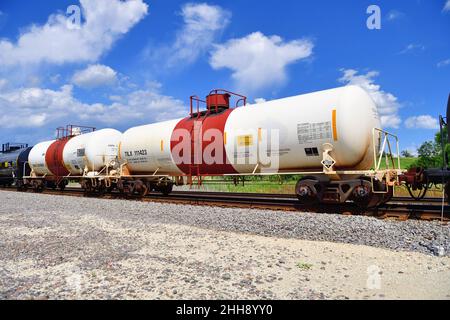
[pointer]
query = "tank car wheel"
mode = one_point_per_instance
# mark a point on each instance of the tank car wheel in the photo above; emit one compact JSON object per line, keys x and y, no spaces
{"x":417,"y":191}
{"x":87,"y":186}
{"x":308,"y":191}
{"x":139,"y":188}
{"x":21,"y":186}
{"x":364,"y":197}
{"x":167,"y":189}
{"x":101,"y":190}
{"x":37,"y":186}
{"x":121,"y":187}
{"x":371,"y":201}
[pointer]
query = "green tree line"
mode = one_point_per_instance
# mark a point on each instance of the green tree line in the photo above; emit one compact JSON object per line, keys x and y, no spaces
{"x":430,"y":152}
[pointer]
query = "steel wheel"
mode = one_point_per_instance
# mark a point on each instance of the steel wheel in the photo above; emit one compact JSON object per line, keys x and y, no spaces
{"x":364,"y":197}
{"x":307,"y":191}
{"x":418,"y":191}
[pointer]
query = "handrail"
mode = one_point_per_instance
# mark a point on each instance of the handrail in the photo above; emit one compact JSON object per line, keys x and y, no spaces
{"x":68,"y":131}
{"x":198,"y":100}
{"x":243,"y":98}
{"x":386,"y":142}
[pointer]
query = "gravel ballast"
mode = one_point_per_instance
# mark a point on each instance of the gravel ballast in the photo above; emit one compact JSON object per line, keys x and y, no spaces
{"x":71,"y":247}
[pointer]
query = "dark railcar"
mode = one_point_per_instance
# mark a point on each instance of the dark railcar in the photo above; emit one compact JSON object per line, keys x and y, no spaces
{"x":13,"y":163}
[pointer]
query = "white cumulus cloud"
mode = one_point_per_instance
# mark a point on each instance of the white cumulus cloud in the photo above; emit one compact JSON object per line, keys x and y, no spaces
{"x":202,"y":25}
{"x":34,"y":107}
{"x":3,"y":83}
{"x":387,"y":103}
{"x":422,"y":122}
{"x":443,"y":63}
{"x":95,"y":76}
{"x":447,"y":6}
{"x":258,"y":61}
{"x":57,"y":43}
{"x":38,"y":107}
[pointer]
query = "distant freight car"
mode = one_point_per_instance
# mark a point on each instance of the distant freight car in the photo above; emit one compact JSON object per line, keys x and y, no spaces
{"x":79,"y":153}
{"x":13,"y":163}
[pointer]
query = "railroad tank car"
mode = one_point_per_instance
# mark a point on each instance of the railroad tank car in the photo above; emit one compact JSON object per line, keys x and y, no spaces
{"x":14,"y":164}
{"x":334,"y":134}
{"x":36,"y":159}
{"x":146,"y":149}
{"x":91,"y":152}
{"x":42,"y":174}
{"x":77,"y":153}
{"x":344,"y":117}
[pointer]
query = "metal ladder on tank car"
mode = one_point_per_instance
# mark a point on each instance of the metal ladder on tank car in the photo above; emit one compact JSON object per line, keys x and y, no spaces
{"x":194,"y":168}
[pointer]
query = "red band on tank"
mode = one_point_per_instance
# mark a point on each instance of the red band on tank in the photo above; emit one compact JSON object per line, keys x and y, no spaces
{"x":212,"y":121}
{"x":54,"y":158}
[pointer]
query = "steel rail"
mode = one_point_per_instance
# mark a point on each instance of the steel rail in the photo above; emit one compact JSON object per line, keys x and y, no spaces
{"x":401,"y":208}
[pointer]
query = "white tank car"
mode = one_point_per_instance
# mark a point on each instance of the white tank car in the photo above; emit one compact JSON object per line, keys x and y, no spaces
{"x":343,"y":117}
{"x":147,"y":149}
{"x":91,"y":151}
{"x":36,"y":159}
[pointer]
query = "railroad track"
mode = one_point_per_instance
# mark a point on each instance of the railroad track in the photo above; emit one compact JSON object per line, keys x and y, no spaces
{"x":399,"y":208}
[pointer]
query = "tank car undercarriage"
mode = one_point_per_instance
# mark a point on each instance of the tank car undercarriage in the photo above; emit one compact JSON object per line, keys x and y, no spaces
{"x":39,"y":184}
{"x":364,"y":192}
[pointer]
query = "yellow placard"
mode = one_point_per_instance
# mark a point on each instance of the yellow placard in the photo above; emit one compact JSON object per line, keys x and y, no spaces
{"x":245,"y":141}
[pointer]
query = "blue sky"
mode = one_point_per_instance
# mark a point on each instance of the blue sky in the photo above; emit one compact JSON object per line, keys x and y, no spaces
{"x":137,"y":62}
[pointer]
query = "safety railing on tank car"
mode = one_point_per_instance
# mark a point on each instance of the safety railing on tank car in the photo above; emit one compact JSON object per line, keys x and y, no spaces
{"x":216,"y":92}
{"x":241,"y":97}
{"x":72,"y":130}
{"x":381,"y":153}
{"x":389,"y":174}
{"x":198,"y":101}
{"x":8,"y":147}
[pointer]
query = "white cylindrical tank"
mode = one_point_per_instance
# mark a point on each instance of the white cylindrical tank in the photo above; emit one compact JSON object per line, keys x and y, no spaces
{"x":36,"y":158}
{"x":147,"y":149}
{"x":342,"y":117}
{"x":91,"y":152}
